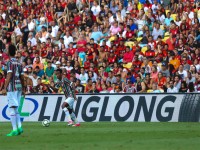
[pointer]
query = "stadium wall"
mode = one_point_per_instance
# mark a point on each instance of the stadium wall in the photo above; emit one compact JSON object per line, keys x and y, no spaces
{"x":112,"y":107}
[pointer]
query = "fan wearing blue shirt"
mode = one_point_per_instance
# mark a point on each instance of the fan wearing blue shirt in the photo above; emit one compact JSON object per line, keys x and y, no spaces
{"x":168,"y":19}
{"x":40,"y":73}
{"x":152,"y":1}
{"x":131,"y":78}
{"x":133,"y":25}
{"x":96,"y":35}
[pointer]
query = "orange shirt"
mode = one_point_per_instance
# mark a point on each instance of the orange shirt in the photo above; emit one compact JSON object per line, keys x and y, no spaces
{"x":40,"y":65}
{"x":150,"y":64}
{"x":175,"y":62}
{"x":88,"y":88}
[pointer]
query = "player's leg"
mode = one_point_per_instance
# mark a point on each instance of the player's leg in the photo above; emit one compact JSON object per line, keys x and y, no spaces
{"x":12,"y":104}
{"x":19,"y":124}
{"x":13,"y":120}
{"x":13,"y":117}
{"x":64,"y":106}
{"x":70,"y":111}
{"x":73,"y":116}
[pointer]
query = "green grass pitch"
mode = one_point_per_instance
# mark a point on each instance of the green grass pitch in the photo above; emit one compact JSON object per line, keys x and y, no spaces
{"x":103,"y":136}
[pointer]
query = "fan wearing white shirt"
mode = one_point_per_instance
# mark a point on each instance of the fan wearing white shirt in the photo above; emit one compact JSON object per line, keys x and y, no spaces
{"x":17,"y":30}
{"x":182,"y":72}
{"x":3,"y":15}
{"x":140,"y":22}
{"x":177,"y":21}
{"x":40,"y":38}
{"x":95,"y":8}
{"x":111,"y":18}
{"x":120,"y":18}
{"x":42,"y":17}
{"x":190,"y":14}
{"x":44,"y":32}
{"x":160,"y":17}
{"x":157,"y":31}
{"x":68,"y":67}
{"x":31,"y":25}
{"x":197,"y":64}
{"x":54,"y":28}
{"x":113,"y":88}
{"x":122,"y":11}
{"x":60,"y":43}
{"x":171,"y":88}
{"x":67,"y":39}
{"x":83,"y":76}
{"x":34,"y":78}
{"x":155,"y":6}
{"x":32,"y":39}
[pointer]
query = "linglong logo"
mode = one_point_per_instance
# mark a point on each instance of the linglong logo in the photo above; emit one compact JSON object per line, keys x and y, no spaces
{"x":22,"y":114}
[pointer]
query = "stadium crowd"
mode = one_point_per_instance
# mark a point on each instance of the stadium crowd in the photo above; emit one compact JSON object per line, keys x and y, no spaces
{"x":105,"y":46}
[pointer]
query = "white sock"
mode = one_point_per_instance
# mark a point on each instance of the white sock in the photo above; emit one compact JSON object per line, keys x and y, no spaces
{"x":74,"y":117}
{"x":67,"y":114}
{"x":13,"y":118}
{"x":19,"y":124}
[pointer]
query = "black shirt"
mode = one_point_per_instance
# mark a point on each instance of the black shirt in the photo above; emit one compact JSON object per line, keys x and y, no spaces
{"x":80,"y":88}
{"x":2,"y":46}
{"x":71,"y":6}
{"x":94,"y":91}
{"x":183,"y":90}
{"x":59,"y":9}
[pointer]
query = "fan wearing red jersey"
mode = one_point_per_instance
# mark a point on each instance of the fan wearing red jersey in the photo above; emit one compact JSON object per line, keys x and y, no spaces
{"x":112,"y":58}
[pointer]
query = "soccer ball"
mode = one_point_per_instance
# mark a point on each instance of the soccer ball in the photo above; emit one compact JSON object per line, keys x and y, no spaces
{"x":46,"y":123}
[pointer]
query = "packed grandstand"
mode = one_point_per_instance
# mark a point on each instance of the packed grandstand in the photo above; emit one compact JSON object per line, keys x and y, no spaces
{"x":105,"y":46}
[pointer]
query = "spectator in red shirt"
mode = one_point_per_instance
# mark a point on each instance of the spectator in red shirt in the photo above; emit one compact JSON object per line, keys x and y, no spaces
{"x":171,"y":42}
{"x":151,"y":42}
{"x":161,"y":80}
{"x":115,"y":68}
{"x":159,"y":41}
{"x":136,"y":63}
{"x":63,"y":3}
{"x":128,"y":56}
{"x":81,"y":48}
{"x":57,"y":53}
{"x":87,"y":63}
{"x":91,"y":53}
{"x":77,"y":18}
{"x":71,"y":50}
{"x":150,"y":53}
{"x":129,"y":34}
{"x":2,"y":81}
{"x":174,"y":29}
{"x":121,"y":48}
{"x":112,"y":58}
